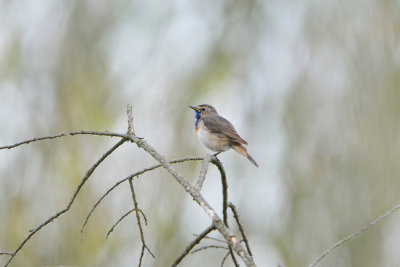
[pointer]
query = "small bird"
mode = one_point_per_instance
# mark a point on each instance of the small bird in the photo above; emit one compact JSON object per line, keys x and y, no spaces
{"x":217,"y":133}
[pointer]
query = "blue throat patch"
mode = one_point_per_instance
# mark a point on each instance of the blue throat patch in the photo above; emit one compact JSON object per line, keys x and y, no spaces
{"x":197,"y":116}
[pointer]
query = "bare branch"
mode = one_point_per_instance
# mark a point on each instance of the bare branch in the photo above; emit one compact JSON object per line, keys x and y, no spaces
{"x":194,"y":191}
{"x":84,"y":179}
{"x":64,"y":134}
{"x":130,"y":177}
{"x":123,"y":217}
{"x":192,"y":244}
{"x":144,"y":246}
{"x":199,"y":183}
{"x":203,"y":172}
{"x":225,"y":231}
{"x":383,"y":216}
{"x":236,"y":216}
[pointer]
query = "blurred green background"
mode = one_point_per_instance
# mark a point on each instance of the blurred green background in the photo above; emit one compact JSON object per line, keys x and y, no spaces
{"x":313,"y":86}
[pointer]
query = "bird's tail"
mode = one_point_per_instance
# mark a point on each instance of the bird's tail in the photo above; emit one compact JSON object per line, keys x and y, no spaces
{"x":240,"y":149}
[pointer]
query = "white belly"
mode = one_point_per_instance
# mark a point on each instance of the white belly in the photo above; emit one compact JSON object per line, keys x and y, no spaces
{"x":213,"y":141}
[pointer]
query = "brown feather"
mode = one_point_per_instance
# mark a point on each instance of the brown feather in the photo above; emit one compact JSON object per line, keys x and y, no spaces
{"x":219,"y":125}
{"x":239,"y":148}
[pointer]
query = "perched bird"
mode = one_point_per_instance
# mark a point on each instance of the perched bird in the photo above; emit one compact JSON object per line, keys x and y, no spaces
{"x":217,"y":133}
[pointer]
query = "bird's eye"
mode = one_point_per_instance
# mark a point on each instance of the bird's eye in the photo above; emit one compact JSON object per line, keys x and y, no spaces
{"x":203,"y":109}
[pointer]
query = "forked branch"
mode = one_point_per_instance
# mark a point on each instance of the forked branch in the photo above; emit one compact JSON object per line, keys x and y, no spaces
{"x":123,"y":217}
{"x":217,"y":223}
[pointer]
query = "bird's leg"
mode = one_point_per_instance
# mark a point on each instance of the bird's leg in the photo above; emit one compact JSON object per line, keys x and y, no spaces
{"x":216,"y":154}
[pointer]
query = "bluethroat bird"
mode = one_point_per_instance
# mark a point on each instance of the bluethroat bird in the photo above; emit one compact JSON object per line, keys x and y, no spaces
{"x":217,"y":133}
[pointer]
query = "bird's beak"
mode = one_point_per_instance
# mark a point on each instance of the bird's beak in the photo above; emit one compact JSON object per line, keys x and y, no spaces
{"x":195,"y":108}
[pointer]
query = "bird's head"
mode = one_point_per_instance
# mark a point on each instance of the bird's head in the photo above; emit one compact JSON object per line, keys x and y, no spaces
{"x":203,"y":110}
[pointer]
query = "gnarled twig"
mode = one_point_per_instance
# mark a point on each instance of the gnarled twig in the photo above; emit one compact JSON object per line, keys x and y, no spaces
{"x":217,"y":223}
{"x":225,"y":231}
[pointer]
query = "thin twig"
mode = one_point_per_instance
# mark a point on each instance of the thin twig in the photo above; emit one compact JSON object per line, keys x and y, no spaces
{"x":207,"y":247}
{"x":130,"y":177}
{"x":383,"y":216}
{"x":49,"y":220}
{"x":224,"y":183}
{"x":225,"y":257}
{"x":123,"y":217}
{"x":6,"y":253}
{"x":236,"y":216}
{"x":215,"y":239}
{"x":144,"y":246}
{"x":64,"y":134}
{"x":233,"y":256}
{"x":192,"y":244}
{"x":203,"y":172}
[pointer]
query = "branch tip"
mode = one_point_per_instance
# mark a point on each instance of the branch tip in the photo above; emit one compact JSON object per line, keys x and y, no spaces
{"x":130,"y":119}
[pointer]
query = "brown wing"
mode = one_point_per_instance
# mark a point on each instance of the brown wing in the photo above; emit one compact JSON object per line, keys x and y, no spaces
{"x":218,"y":124}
